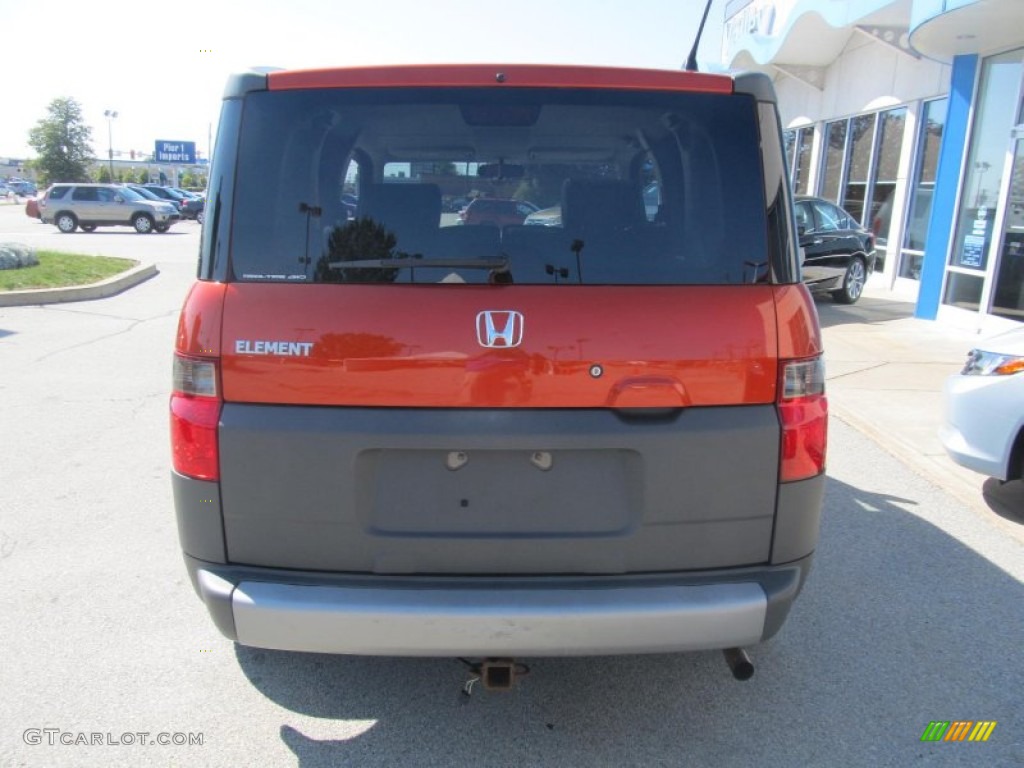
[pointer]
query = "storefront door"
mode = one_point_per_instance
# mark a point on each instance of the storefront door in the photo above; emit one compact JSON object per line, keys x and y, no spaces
{"x":983,"y":274}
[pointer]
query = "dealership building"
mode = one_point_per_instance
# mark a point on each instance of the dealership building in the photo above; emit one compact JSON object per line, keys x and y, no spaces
{"x":910,"y":115}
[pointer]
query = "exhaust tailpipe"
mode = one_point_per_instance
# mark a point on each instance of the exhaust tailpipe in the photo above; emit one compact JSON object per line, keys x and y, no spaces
{"x":498,"y":674}
{"x":740,"y":664}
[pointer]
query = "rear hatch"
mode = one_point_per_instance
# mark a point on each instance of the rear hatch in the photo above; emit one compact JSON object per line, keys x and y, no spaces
{"x":404,"y":394}
{"x":619,"y":435}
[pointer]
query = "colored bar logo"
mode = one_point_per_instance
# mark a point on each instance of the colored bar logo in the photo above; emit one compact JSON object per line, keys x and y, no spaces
{"x":958,"y":730}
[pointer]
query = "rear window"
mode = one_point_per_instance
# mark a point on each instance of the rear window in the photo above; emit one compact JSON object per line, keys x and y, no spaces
{"x":367,"y":186}
{"x":87,"y":194}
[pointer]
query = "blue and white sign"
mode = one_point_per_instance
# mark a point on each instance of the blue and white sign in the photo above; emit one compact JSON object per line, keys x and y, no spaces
{"x":182,"y":152}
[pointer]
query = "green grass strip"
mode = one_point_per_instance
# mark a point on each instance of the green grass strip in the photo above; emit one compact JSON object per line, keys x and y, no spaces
{"x":60,"y":270}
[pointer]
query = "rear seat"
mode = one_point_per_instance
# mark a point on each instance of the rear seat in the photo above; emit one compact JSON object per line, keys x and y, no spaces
{"x":479,"y":241}
{"x":411,"y":212}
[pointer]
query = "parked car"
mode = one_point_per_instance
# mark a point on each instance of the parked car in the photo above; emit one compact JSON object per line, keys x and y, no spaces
{"x":545,"y":217}
{"x":839,"y":254}
{"x":453,"y":204}
{"x":490,"y":210}
{"x":167,"y":194}
{"x":150,"y":194}
{"x":70,"y":206}
{"x":193,"y":208}
{"x":23,"y":188}
{"x":984,"y":409}
{"x":395,"y":436}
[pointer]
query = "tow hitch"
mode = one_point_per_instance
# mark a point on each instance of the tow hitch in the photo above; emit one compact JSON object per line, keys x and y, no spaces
{"x":495,"y":674}
{"x":498,"y":674}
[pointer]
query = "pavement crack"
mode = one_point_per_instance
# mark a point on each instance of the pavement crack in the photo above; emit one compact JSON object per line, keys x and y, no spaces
{"x":132,"y":326}
{"x":854,"y":373}
{"x":52,"y":308}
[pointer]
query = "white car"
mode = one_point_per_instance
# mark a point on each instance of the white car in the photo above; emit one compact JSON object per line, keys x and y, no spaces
{"x":984,"y":423}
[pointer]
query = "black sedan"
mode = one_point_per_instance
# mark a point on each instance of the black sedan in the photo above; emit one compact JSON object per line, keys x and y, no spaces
{"x":156,"y":193}
{"x":839,"y":254}
{"x":193,"y":208}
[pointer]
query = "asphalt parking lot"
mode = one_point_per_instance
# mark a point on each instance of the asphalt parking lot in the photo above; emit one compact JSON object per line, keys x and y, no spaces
{"x":912,"y":613}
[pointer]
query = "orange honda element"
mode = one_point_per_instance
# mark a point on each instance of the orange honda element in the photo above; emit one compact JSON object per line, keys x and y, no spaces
{"x":397,"y":434}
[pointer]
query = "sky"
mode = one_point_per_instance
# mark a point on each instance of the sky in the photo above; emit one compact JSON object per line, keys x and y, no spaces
{"x":162,"y":66}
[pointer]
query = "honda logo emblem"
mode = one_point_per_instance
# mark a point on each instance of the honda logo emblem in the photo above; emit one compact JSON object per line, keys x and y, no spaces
{"x":499,"y":328}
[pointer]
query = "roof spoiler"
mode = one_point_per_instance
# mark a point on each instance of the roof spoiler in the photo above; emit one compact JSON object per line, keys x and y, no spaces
{"x":691,"y":60}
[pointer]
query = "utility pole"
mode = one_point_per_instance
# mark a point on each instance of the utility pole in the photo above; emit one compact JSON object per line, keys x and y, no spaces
{"x":110,"y":114}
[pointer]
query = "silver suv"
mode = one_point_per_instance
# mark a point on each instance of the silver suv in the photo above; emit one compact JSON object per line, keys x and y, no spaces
{"x":69,"y":206}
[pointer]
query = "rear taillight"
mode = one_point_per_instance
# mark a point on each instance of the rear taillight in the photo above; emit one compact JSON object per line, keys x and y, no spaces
{"x":803,"y":413}
{"x":195,"y":413}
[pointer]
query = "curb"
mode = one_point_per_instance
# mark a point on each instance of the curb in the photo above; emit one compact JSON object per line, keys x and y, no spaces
{"x":100,"y":290}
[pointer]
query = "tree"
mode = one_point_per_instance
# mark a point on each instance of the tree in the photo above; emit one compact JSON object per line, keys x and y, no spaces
{"x":63,"y":142}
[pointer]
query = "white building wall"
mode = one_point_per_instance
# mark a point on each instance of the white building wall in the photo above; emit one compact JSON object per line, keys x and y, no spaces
{"x":868,"y":76}
{"x":799,"y":102}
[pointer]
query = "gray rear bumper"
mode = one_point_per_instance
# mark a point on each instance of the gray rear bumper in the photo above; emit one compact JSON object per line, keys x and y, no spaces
{"x":486,"y":617}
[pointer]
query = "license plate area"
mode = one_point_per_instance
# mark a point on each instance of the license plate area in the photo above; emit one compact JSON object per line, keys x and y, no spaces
{"x":500,"y":492}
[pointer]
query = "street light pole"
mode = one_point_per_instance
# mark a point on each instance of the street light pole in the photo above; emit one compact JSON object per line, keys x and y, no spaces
{"x":110,"y":114}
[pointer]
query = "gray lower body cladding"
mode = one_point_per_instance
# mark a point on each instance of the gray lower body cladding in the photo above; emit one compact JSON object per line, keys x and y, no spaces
{"x":511,"y":491}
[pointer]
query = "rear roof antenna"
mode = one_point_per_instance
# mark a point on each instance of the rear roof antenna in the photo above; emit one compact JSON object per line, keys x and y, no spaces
{"x":691,"y":61}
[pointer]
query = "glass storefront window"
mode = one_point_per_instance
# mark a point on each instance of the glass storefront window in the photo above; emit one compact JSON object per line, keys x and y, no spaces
{"x":964,"y":291}
{"x":801,"y":172}
{"x":997,"y":108}
{"x":933,"y":122}
{"x":835,"y":152}
{"x":883,"y":185}
{"x":855,"y":194}
{"x":862,"y":157}
{"x":798,"y":154}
